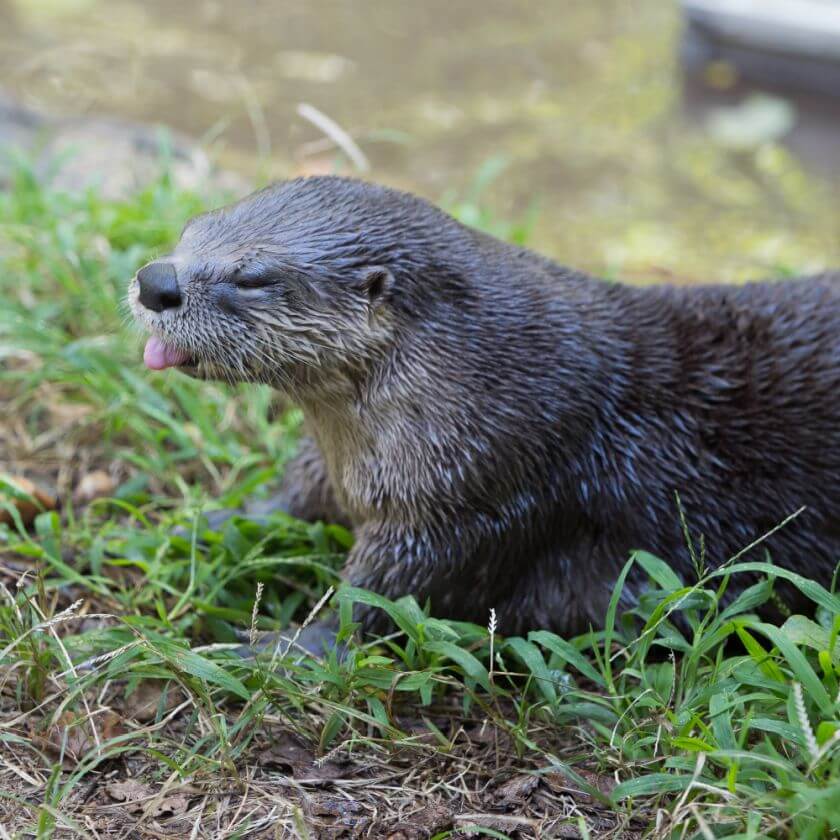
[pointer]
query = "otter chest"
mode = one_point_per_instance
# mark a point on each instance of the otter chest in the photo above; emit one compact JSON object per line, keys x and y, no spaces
{"x":377,"y":470}
{"x":354,"y":468}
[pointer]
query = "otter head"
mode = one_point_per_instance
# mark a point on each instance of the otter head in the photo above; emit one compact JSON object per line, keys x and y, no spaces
{"x":292,"y":286}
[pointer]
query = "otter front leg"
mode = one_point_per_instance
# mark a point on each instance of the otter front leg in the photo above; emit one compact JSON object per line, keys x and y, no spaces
{"x":394,"y":561}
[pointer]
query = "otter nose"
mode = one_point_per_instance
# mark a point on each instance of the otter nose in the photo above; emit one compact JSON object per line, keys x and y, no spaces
{"x":159,"y":286}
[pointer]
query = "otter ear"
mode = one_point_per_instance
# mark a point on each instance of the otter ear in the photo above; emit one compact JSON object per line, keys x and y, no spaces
{"x":376,"y":283}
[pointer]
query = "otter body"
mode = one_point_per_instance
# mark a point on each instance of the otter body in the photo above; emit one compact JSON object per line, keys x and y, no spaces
{"x":498,"y":430}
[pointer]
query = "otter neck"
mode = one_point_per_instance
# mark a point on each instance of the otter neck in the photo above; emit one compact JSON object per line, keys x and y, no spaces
{"x":432,"y":420}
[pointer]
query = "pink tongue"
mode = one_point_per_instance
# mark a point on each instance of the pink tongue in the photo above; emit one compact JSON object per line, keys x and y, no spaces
{"x":159,"y":356}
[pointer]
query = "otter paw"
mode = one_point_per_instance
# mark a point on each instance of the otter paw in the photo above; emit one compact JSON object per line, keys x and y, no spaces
{"x":318,"y":639}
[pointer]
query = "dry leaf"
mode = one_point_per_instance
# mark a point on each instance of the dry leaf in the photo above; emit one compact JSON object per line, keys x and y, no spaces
{"x":173,"y":805}
{"x":75,"y":735}
{"x":67,"y":413}
{"x":517,"y":789}
{"x":28,"y":510}
{"x":287,"y":752}
{"x":139,"y":796}
{"x":430,"y":820}
{"x":93,"y":485}
{"x":128,"y":790}
{"x":143,"y":703}
{"x":331,"y":806}
{"x":560,"y":784}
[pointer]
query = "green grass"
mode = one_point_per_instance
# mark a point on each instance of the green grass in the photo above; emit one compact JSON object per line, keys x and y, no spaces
{"x":716,"y":725}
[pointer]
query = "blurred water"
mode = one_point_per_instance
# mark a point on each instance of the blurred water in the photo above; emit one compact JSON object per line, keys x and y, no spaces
{"x":576,"y":105}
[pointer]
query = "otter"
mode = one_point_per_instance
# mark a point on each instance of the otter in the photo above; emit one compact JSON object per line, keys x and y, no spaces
{"x":501,"y":431}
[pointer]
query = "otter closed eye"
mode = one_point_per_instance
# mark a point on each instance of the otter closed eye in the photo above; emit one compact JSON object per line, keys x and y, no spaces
{"x":254,"y":281}
{"x":501,"y":431}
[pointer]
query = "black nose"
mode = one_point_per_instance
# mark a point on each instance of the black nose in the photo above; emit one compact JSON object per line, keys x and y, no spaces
{"x":159,"y":286}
